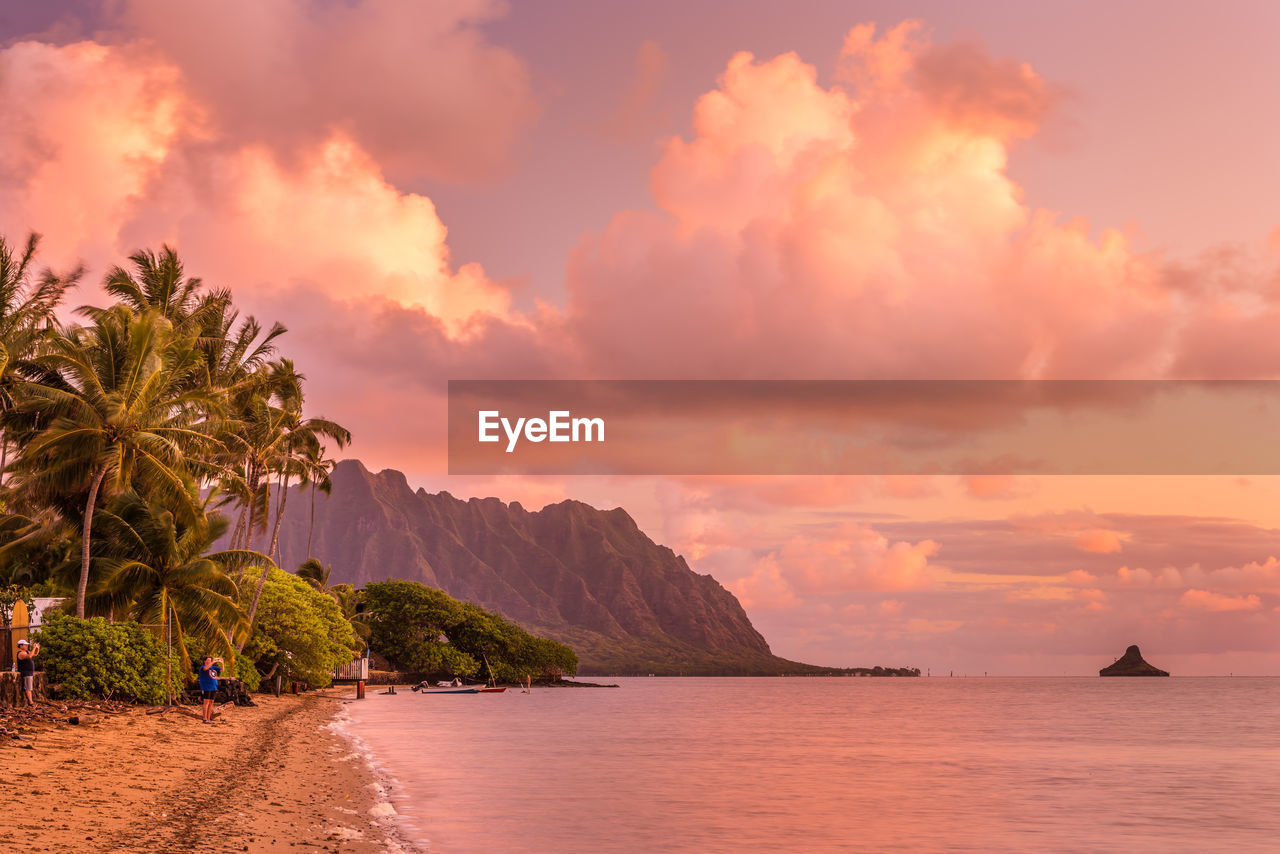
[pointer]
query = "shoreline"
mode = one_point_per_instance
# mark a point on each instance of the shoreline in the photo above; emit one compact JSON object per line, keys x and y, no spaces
{"x":276,"y":777}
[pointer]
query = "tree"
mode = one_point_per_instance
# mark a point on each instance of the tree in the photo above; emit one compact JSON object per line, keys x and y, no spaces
{"x":157,"y":284}
{"x":27,"y":305}
{"x":299,"y":631}
{"x":157,"y":569}
{"x":276,"y":436}
{"x":316,"y":574}
{"x":316,"y":472}
{"x":127,"y":418}
{"x":424,"y":630}
{"x":407,"y":623}
{"x":301,"y":454}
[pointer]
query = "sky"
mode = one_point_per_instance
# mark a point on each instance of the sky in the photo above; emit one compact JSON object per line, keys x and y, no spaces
{"x":474,"y":190}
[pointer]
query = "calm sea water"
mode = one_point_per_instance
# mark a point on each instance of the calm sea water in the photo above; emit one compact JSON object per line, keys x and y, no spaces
{"x":827,"y":765}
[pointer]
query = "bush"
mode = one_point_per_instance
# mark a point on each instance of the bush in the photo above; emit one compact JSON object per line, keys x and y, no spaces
{"x":92,"y":658}
{"x":247,"y":673}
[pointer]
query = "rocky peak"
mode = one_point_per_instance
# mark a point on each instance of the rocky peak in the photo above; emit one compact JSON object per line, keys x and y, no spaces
{"x":1132,"y":664}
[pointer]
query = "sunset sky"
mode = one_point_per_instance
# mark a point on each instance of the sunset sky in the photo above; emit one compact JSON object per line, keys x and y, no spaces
{"x":672,"y":190}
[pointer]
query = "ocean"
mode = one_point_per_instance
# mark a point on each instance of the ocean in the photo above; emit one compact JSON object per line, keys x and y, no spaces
{"x":834,"y":765}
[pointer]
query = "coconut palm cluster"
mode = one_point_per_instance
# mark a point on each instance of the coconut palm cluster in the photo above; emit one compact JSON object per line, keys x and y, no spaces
{"x":134,"y":436}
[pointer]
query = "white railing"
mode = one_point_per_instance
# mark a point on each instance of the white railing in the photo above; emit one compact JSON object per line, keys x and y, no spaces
{"x":353,"y":671}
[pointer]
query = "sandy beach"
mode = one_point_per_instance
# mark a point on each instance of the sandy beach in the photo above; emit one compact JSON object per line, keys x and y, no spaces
{"x":264,"y":779}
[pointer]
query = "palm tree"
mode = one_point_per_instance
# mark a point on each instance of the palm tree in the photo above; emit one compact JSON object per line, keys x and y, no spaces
{"x":27,"y":305}
{"x":127,"y":416}
{"x":317,"y":472}
{"x":157,"y":569}
{"x":299,"y":454}
{"x":316,"y":574}
{"x":276,"y":437}
{"x":157,"y":284}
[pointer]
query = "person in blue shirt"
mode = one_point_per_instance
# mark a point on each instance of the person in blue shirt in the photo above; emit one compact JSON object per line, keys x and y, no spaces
{"x":209,"y":670}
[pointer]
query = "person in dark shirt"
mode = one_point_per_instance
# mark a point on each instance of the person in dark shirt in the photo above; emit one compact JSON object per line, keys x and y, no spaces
{"x":209,"y":670}
{"x":27,"y":668}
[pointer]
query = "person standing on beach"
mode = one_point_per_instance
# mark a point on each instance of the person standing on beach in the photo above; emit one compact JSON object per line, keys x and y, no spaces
{"x":209,"y":670}
{"x":27,"y":668}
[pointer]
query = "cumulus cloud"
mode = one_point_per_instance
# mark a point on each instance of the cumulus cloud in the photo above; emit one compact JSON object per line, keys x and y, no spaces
{"x":417,"y":85}
{"x":329,"y":220}
{"x":1080,"y":578}
{"x":806,"y":571}
{"x":86,"y":129}
{"x":766,"y":588}
{"x":110,"y":147}
{"x":1100,"y":541}
{"x":855,"y":557}
{"x":1204,"y":600}
{"x":867,"y":228}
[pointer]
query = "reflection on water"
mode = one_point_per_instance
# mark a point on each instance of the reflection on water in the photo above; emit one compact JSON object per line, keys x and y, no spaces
{"x":826,"y":765}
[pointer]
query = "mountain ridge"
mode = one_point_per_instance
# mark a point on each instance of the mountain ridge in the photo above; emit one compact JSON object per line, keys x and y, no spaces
{"x":586,"y":577}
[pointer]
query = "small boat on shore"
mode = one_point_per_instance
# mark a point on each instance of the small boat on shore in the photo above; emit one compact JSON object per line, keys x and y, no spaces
{"x":449,"y":691}
{"x":446,"y":688}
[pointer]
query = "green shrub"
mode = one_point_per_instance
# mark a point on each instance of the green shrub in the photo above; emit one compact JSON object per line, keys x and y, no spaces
{"x":247,"y":673}
{"x":92,"y":658}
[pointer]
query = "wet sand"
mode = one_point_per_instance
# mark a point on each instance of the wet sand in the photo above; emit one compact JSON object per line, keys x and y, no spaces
{"x":270,"y":778}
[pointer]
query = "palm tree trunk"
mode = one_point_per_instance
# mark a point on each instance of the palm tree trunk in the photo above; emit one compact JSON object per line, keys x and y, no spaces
{"x":239,"y":529}
{"x":83,"y":587}
{"x":312,"y":529}
{"x":274,"y":551}
{"x":168,"y":657}
{"x":253,"y":609}
{"x":253,"y":510}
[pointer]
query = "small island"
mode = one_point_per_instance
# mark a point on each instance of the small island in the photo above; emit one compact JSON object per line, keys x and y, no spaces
{"x":1132,"y":664}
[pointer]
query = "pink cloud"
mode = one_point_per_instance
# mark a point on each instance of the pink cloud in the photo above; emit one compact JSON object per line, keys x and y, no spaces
{"x":919,"y":626}
{"x":994,"y":486}
{"x":1080,"y":578}
{"x":417,"y":85}
{"x":997,"y":97}
{"x":1203,"y":600}
{"x":765,"y":589}
{"x":854,"y":557}
{"x":806,"y":571}
{"x":859,"y":230}
{"x":87,"y":127}
{"x":1100,"y":541}
{"x":635,"y":115}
